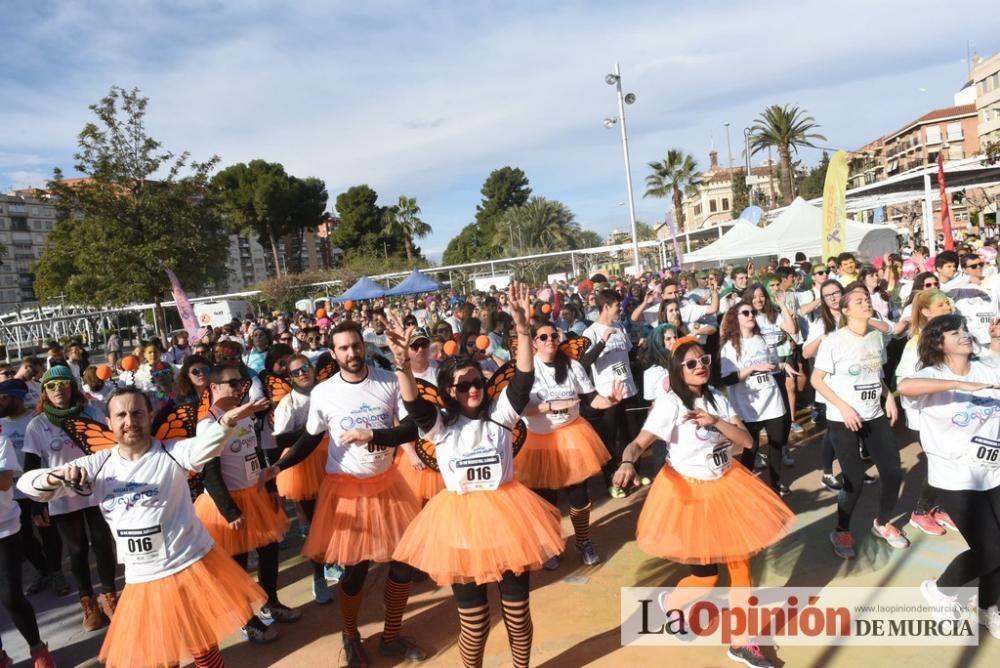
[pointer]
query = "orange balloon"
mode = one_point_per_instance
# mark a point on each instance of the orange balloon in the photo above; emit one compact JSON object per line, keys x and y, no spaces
{"x":483,"y":342}
{"x":450,"y":348}
{"x":546,"y":309}
{"x":104,"y":372}
{"x":349,"y":306}
{"x":130,"y":363}
{"x":320,"y":313}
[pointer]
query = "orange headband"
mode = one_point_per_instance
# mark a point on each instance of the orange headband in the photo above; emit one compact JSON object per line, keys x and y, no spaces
{"x":681,"y":341}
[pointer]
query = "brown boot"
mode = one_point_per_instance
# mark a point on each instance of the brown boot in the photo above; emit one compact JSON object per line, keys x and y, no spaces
{"x":93,"y":618}
{"x":109,"y":602}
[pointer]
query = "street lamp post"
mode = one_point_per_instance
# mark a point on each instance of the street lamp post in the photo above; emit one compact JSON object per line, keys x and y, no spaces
{"x":616,"y":81}
{"x":729,"y":146}
{"x":746,"y":137}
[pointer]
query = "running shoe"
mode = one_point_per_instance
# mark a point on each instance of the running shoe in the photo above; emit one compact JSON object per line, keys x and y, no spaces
{"x":990,"y":618}
{"x":37,"y":584}
{"x":786,"y":455}
{"x":944,"y":608}
{"x":781,"y":489}
{"x":617,"y":492}
{"x":831,"y":482}
{"x":552,"y":564}
{"x":797,"y":428}
{"x":870,"y":479}
{"x":321,"y":590}
{"x":333,"y":573}
{"x":750,"y":655}
{"x":303,"y":532}
{"x":41,"y":657}
{"x":645,"y":481}
{"x":843,"y":544}
{"x":943,"y":519}
{"x":355,"y":652}
{"x":891,"y":535}
{"x":58,"y":584}
{"x":401,"y":648}
{"x":280,"y":613}
{"x":925,"y":522}
{"x":588,"y":553}
{"x":258,"y":632}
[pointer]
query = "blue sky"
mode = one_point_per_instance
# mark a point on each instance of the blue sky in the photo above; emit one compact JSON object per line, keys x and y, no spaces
{"x":426,"y":98}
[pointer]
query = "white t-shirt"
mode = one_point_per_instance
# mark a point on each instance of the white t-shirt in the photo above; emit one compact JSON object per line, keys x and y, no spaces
{"x":655,"y":383}
{"x":696,"y":452}
{"x":854,"y":367}
{"x":313,"y":355}
{"x":429,"y":374}
{"x":241,"y":466}
{"x":757,"y":398}
{"x":338,"y":406}
{"x":906,"y":368}
{"x":979,"y":309}
{"x":266,"y":433}
{"x":546,"y":388}
{"x":56,"y":449}
{"x":10,"y":512}
{"x":14,"y":429}
{"x":960,"y":430}
{"x":476,"y":455}
{"x":775,"y":337}
{"x":613,"y":361}
{"x":291,"y":413}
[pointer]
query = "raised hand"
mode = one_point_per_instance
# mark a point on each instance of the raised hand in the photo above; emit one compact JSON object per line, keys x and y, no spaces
{"x":398,"y":337}
{"x":520,"y":304}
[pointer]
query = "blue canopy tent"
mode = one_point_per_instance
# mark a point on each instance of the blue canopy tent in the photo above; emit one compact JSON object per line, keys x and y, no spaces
{"x":365,"y":288}
{"x":415,"y":283}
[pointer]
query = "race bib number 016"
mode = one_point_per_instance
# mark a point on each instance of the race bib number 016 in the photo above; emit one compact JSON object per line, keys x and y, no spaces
{"x":477,"y":474}
{"x":141,"y":546}
{"x":985,"y":452}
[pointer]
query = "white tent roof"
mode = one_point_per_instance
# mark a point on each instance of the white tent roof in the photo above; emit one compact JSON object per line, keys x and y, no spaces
{"x":740,"y":234}
{"x":799,"y":228}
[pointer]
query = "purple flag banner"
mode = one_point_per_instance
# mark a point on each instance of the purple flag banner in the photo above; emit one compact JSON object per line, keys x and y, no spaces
{"x":184,"y":307}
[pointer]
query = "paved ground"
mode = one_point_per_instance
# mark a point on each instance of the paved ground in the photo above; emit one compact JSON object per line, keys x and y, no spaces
{"x":576,"y":608}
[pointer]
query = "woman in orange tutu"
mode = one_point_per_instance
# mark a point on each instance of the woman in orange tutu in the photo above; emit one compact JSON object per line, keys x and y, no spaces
{"x":182,"y":594}
{"x":238,"y":515}
{"x":562,"y":450}
{"x":484,"y":526}
{"x":703,"y":509}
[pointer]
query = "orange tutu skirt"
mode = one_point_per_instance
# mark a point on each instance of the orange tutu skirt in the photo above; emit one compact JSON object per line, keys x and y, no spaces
{"x":162,"y":622}
{"x":301,"y":482}
{"x":711,"y":521}
{"x":476,"y":537}
{"x":423,"y":483}
{"x":570,"y":454}
{"x":360,"y":519}
{"x":262,"y":523}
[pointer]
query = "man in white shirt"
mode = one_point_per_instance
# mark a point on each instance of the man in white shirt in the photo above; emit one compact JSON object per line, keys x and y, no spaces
{"x":978,"y":305}
{"x":946,"y":267}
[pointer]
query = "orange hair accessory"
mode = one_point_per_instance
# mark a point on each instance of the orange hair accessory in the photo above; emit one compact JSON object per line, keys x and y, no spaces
{"x":681,"y":341}
{"x":104,"y":372}
{"x":450,"y":348}
{"x":483,"y":342}
{"x":130,"y":363}
{"x":546,"y":309}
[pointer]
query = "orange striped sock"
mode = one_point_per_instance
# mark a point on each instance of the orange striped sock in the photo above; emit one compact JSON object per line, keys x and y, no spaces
{"x":580,"y":517}
{"x":395,"y":597}
{"x":349,"y":607}
{"x":474,"y":628}
{"x":520,"y":632}
{"x":210,"y":659}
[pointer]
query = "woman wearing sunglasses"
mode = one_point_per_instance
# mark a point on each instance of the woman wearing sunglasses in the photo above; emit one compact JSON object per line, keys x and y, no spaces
{"x":78,"y":518}
{"x":848,"y":375}
{"x":703,"y":509}
{"x":562,"y":451}
{"x":962,"y":457}
{"x":748,"y":366}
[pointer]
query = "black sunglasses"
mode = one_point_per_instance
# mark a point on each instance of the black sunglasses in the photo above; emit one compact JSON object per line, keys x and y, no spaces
{"x":233,"y":383}
{"x":420,"y":344}
{"x":746,"y":313}
{"x":301,"y":371}
{"x":820,"y":272}
{"x":467,"y":385}
{"x":974,"y":265}
{"x":704,"y":360}
{"x":545,"y":337}
{"x":199,"y":370}
{"x":931,"y":284}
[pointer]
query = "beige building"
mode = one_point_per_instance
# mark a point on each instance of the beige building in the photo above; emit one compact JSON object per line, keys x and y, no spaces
{"x":986,"y":78}
{"x":712,"y":204}
{"x":25,"y":222}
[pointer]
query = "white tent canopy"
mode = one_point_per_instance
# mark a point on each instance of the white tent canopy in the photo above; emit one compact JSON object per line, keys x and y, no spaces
{"x":799,"y":228}
{"x":739,"y":235}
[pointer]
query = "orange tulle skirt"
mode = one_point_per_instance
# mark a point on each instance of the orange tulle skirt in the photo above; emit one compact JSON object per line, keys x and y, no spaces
{"x":476,"y":537}
{"x":301,"y":482}
{"x":262,"y":523}
{"x":360,"y":519}
{"x":711,"y":521}
{"x":162,"y":622}
{"x":424,"y":483}
{"x":570,"y":454}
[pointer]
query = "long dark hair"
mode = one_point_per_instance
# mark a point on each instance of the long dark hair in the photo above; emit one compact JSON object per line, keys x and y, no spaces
{"x":446,"y":378}
{"x":918,"y":284}
{"x":183,"y":389}
{"x":730,"y":330}
{"x":930,"y":349}
{"x":675,"y":373}
{"x":830,"y":322}
{"x":661,"y":315}
{"x":275,"y":353}
{"x":561,"y":361}
{"x":770,"y":311}
{"x":880,"y":290}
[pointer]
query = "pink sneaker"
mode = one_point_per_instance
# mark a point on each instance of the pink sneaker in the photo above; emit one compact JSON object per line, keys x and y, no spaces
{"x":843,"y":544}
{"x":890,"y":534}
{"x":926,"y":523}
{"x":943,"y":519}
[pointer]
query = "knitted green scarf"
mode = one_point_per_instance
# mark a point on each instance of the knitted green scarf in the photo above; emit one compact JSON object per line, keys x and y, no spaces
{"x":57,"y":415}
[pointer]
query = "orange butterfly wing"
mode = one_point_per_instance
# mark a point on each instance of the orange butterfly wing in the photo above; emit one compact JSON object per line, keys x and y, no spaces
{"x":575,"y":347}
{"x":429,"y":392}
{"x":518,"y":435}
{"x":205,"y":404}
{"x":326,"y":366}
{"x":89,"y":435}
{"x":245,"y":389}
{"x":275,"y":387}
{"x":427,"y":452}
{"x":180,"y":422}
{"x":500,"y":380}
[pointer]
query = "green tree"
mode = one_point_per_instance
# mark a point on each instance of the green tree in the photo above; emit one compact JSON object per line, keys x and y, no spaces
{"x":812,"y":185}
{"x":786,"y":129}
{"x":589,"y":239}
{"x":740,"y":192}
{"x":674,"y":177}
{"x":362,"y":228}
{"x":538,"y":226}
{"x":503,"y":189}
{"x":119,"y":229}
{"x":402,"y":220}
{"x":260,"y":198}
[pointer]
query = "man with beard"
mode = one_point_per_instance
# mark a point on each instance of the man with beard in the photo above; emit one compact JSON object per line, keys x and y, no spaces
{"x":364,"y":505}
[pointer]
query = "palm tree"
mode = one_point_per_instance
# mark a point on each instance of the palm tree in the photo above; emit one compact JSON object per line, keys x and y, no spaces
{"x":674,"y":177}
{"x":538,"y":225}
{"x":785,"y":128}
{"x":402,"y":220}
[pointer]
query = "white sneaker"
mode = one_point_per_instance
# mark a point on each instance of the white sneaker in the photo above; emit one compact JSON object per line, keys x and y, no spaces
{"x":944,"y":608}
{"x":990,"y":618}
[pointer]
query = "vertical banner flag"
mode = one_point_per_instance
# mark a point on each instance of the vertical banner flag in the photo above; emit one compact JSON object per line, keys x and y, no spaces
{"x":672,"y":224}
{"x":184,"y":307}
{"x":949,"y":241}
{"x":835,"y":206}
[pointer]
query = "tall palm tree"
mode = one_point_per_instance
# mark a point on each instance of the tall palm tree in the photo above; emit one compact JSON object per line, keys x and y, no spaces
{"x":403,"y":220}
{"x":786,"y":129}
{"x":538,"y":225}
{"x":676,"y":175}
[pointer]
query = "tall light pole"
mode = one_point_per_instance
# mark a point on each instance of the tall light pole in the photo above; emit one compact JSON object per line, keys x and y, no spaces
{"x":746,"y":137}
{"x":729,"y":146}
{"x":616,"y":81}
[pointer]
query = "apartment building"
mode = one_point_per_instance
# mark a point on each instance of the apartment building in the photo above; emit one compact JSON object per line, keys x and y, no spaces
{"x":986,"y":78}
{"x":917,"y":144}
{"x":25,"y":222}
{"x":711,"y":204}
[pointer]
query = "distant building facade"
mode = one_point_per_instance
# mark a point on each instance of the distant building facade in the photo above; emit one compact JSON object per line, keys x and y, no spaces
{"x":25,"y":222}
{"x":986,"y":79}
{"x":712,"y":203}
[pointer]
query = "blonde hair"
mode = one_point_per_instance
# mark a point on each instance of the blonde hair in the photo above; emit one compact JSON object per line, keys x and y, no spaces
{"x":924,"y":300}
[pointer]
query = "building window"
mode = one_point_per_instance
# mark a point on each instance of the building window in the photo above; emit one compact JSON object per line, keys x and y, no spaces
{"x":19,"y":223}
{"x":956,"y":152}
{"x":725,"y":204}
{"x":697,"y":209}
{"x":933,"y":134}
{"x":712,"y":206}
{"x":954,"y":131}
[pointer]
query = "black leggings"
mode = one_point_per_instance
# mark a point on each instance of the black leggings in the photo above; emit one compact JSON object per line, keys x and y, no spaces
{"x":11,"y":592}
{"x":353,"y":579}
{"x":267,"y":569}
{"x":512,"y":588}
{"x":881,"y":443}
{"x":45,"y":555}
{"x":577,"y":495}
{"x":977,"y":516}
{"x":74,"y":528}
{"x":615,"y":426}
{"x":775,"y":429}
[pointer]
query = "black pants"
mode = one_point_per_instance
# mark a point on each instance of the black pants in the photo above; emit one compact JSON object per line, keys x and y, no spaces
{"x":267,"y":569}
{"x":881,"y":442}
{"x":354,"y":576}
{"x":512,"y":588}
{"x":616,"y":426}
{"x":45,"y":555}
{"x":977,"y":516}
{"x":11,"y":591}
{"x":775,"y":430}
{"x":74,"y":528}
{"x":576,"y":495}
